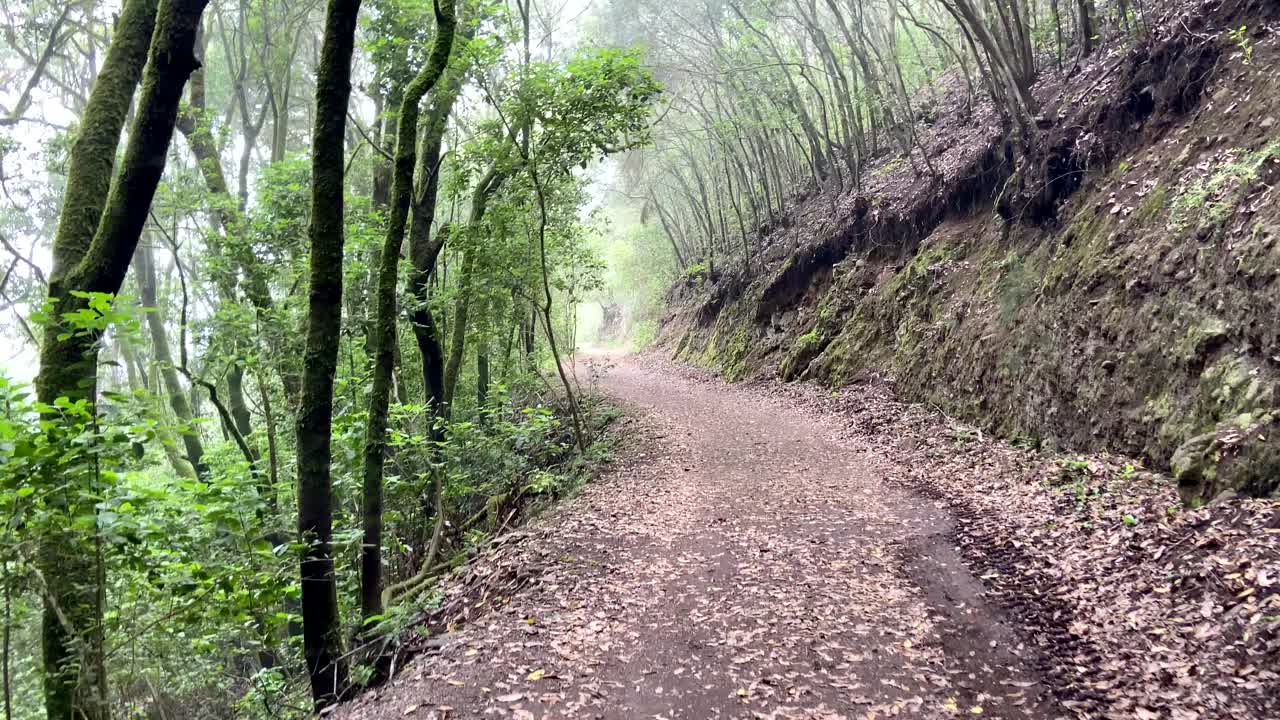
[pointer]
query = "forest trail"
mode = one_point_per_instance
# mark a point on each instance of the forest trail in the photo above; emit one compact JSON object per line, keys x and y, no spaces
{"x":746,"y":559}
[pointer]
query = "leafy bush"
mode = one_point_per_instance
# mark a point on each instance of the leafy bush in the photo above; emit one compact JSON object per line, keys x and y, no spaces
{"x":644,"y":333}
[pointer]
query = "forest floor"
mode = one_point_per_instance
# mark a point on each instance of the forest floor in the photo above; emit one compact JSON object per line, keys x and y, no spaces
{"x":753,"y":553}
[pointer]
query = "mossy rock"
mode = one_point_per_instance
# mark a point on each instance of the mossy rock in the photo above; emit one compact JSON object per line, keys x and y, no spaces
{"x":1238,"y":454}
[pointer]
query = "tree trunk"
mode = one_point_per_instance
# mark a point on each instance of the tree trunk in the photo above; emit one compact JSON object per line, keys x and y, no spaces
{"x":139,"y":382}
{"x":482,"y":375}
{"x":458,"y":328}
{"x":144,"y":266}
{"x":230,"y":223}
{"x":424,"y":250}
{"x":97,"y":233}
{"x":322,"y":636}
{"x":485,"y":189}
{"x":1085,"y":19}
{"x":384,"y":333}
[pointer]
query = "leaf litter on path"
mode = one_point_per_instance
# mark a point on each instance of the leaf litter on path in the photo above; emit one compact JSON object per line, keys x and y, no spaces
{"x":769,"y":551}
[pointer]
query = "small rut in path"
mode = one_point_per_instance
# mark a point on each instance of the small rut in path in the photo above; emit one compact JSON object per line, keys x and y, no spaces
{"x":743,"y":562}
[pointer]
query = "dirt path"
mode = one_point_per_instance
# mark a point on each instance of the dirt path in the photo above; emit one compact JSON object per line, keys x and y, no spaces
{"x":744,"y":561}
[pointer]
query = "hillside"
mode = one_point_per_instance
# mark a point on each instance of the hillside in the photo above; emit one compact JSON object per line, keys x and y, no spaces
{"x":1115,"y":288}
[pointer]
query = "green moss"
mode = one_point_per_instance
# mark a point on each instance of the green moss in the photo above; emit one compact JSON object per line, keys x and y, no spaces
{"x":1081,"y":253}
{"x":915,"y":275}
{"x":825,"y":313}
{"x":1017,"y":281}
{"x":807,"y":347}
{"x":726,"y":356}
{"x":835,"y":363}
{"x":1223,"y":380}
{"x":1200,"y":337}
{"x":1158,"y":407}
{"x":1152,"y":204}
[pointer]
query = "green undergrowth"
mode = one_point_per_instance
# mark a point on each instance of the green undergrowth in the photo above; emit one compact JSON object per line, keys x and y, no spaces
{"x":502,"y":470}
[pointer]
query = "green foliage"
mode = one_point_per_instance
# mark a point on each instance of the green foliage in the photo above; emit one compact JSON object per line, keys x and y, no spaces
{"x":1242,"y":41}
{"x":643,"y":334}
{"x":807,"y":341}
{"x":696,"y":273}
{"x":279,"y":221}
{"x":599,"y":103}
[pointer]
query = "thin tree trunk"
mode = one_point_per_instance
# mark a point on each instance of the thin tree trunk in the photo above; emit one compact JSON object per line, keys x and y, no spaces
{"x":384,"y":333}
{"x":485,"y":189}
{"x":139,"y":382}
{"x":4,"y":652}
{"x":230,"y":223}
{"x":144,"y":266}
{"x":458,"y":327}
{"x":482,"y":375}
{"x":273,"y":456}
{"x":322,"y":636}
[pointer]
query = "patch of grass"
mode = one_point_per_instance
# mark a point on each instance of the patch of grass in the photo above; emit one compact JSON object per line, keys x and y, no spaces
{"x":1016,"y":283}
{"x":1211,"y":201}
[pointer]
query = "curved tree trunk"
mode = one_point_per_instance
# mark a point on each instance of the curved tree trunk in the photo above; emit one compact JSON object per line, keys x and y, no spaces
{"x":424,"y":249}
{"x":384,"y":332}
{"x":98,"y":231}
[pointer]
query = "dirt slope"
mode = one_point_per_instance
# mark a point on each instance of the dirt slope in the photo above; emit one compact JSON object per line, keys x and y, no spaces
{"x":743,"y":561}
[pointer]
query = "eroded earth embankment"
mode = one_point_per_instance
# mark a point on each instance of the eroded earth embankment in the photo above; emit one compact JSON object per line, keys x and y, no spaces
{"x":1115,"y":288}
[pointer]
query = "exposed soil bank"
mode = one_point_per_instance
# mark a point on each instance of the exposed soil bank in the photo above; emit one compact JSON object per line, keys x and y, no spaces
{"x":1116,"y":289}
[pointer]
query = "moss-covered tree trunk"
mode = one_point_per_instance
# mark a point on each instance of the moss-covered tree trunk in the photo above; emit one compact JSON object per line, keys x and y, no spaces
{"x":458,"y":327}
{"x":384,"y":332}
{"x":97,"y":234}
{"x":424,"y":248}
{"x":322,"y":636}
